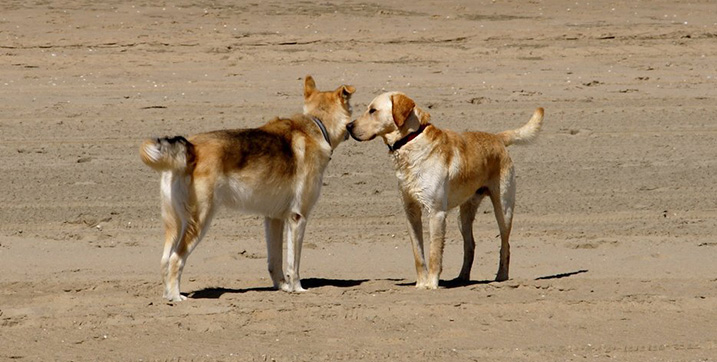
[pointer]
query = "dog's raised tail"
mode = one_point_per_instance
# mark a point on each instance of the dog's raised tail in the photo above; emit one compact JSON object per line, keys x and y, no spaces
{"x":168,"y":153}
{"x":525,"y":134}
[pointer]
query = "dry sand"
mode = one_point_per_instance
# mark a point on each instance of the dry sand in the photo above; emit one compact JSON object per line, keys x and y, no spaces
{"x":615,"y":235}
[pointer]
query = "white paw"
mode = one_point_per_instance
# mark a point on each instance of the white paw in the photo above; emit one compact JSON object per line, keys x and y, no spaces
{"x":295,"y":288}
{"x":176,"y":298}
{"x":285,"y":287}
{"x":431,"y":283}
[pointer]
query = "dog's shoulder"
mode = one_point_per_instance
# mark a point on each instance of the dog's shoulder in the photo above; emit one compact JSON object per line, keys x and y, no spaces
{"x":281,"y":127}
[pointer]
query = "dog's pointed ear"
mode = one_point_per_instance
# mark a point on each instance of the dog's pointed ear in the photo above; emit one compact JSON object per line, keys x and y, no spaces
{"x":402,"y":108}
{"x":309,"y":86}
{"x":344,"y":92}
{"x":348,"y":90}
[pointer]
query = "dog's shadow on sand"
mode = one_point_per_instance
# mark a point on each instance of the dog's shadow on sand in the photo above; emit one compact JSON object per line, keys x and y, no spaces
{"x":450,"y":284}
{"x":458,"y":283}
{"x":217,"y":292}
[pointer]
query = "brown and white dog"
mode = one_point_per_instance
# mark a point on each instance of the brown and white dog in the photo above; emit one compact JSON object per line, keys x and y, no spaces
{"x":275,"y":170}
{"x":439,"y":170}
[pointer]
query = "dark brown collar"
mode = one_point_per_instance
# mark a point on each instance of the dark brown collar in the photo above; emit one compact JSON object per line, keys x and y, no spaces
{"x":402,"y":142}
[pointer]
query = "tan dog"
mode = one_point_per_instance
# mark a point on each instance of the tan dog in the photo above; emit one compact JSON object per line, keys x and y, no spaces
{"x":440,"y":170}
{"x":275,"y":170}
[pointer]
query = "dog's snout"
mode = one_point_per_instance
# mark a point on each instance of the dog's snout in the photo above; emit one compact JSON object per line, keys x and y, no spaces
{"x":350,"y":126}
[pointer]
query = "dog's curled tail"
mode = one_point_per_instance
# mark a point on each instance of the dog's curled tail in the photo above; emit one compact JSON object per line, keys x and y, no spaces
{"x":525,"y":134}
{"x":168,"y":154}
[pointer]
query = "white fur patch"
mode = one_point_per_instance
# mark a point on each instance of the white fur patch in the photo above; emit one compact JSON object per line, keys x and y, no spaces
{"x":152,"y":151}
{"x":421,"y":175}
{"x":254,"y":197}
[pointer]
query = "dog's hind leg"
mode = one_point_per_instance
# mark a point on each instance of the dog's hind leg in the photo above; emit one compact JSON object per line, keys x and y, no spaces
{"x":296,"y":224}
{"x":173,"y":231}
{"x":197,"y":225}
{"x":503,"y":198}
{"x":465,"y":221}
{"x":274,"y":230}
{"x":174,"y":217}
{"x":415,"y":233}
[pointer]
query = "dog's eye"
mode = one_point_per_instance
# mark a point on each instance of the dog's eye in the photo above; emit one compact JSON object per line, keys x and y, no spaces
{"x":371,"y":111}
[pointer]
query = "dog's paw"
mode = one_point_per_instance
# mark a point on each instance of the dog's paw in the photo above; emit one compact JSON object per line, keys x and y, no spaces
{"x":292,"y":288}
{"x":176,"y":298}
{"x":432,"y":282}
{"x":426,"y":285}
{"x":173,"y":296}
{"x":286,"y":287}
{"x":279,"y":284}
{"x":501,"y":277}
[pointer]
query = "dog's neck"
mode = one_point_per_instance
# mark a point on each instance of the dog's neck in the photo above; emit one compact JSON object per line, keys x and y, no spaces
{"x":327,"y":125}
{"x":414,"y":126}
{"x":322,"y":127}
{"x":395,"y":146}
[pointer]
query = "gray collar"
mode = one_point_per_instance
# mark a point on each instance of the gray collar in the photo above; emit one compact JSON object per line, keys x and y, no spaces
{"x":322,"y":128}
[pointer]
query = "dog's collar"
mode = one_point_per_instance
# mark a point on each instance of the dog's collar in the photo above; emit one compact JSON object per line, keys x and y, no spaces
{"x":402,"y":142}
{"x":322,"y":128}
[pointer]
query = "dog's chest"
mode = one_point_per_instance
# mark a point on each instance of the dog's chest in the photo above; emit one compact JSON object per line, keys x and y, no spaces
{"x":423,"y":179}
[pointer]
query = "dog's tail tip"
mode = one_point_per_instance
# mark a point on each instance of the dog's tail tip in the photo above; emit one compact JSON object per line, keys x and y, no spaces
{"x":528,"y":132}
{"x":150,"y":151}
{"x":167,"y":154}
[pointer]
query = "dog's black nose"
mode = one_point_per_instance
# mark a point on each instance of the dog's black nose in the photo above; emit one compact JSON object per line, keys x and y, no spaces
{"x":350,"y":126}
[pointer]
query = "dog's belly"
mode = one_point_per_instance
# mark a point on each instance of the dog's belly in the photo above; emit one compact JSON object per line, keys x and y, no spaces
{"x":272,"y":199}
{"x":461,"y":194}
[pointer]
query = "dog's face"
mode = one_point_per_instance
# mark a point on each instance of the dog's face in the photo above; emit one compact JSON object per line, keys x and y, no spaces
{"x":390,"y":115}
{"x":333,"y":108}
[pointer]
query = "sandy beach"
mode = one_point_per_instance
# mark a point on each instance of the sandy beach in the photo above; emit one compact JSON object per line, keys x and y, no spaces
{"x":614,"y":242}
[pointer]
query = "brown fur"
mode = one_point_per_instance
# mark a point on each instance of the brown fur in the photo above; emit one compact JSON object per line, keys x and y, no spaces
{"x":439,"y":170}
{"x":274,"y":170}
{"x":402,"y":108}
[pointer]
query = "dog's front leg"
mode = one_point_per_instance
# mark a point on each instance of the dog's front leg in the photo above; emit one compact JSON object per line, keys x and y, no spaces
{"x":415,"y":233}
{"x":437,"y":230}
{"x":296,"y":224}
